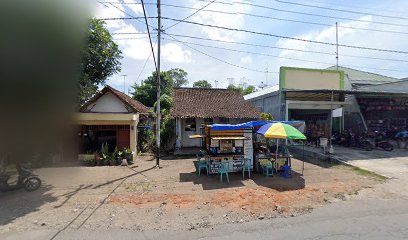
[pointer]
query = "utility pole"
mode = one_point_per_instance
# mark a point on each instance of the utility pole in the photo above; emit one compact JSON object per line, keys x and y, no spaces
{"x":158,"y":115}
{"x":216,"y":83}
{"x":124,"y":83}
{"x":337,"y":47}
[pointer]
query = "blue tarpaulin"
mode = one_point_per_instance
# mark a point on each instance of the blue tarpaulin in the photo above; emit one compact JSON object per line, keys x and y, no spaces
{"x":250,"y":125}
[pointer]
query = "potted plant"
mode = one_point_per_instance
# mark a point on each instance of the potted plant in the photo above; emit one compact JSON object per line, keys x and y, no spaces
{"x":105,"y":154}
{"x":128,"y":155}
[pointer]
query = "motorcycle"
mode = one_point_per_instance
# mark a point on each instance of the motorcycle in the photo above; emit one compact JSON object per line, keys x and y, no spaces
{"x":26,"y":179}
{"x":381,"y":142}
{"x":358,"y":142}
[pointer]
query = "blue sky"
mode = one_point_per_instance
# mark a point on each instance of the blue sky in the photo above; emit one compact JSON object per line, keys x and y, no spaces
{"x":200,"y":66}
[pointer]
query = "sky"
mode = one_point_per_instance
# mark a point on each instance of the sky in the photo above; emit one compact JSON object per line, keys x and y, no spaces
{"x":257,"y":61}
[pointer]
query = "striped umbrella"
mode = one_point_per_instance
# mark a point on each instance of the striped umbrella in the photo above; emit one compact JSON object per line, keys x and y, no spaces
{"x":281,"y":131}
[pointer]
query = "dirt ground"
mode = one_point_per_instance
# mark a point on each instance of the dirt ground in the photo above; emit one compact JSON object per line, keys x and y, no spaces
{"x":172,"y":197}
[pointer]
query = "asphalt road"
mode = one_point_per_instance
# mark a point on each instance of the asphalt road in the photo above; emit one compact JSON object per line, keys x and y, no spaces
{"x":355,"y":219}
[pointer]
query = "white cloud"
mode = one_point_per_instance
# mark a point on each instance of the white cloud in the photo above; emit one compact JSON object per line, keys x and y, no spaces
{"x":134,"y":6}
{"x":246,"y":59}
{"x":175,"y":54}
{"x":221,"y":19}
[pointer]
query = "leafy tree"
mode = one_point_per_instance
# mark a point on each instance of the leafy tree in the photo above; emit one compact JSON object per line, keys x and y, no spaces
{"x":147,"y":92}
{"x":179,"y":77}
{"x":100,"y":59}
{"x":240,"y":89}
{"x":266,"y":116}
{"x":202,"y":84}
{"x":165,"y":103}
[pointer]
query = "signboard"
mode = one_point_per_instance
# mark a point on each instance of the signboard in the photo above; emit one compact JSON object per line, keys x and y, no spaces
{"x":338,"y":112}
{"x":214,"y":143}
{"x":310,"y":79}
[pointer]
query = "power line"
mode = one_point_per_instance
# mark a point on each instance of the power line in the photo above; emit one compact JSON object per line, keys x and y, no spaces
{"x":273,"y":47}
{"x":125,"y":18}
{"x":340,"y":10}
{"x":130,"y":38}
{"x":219,"y":59}
{"x":148,"y":33}
{"x":279,"y":57}
{"x":249,"y":52}
{"x":251,"y":44}
{"x":322,"y":24}
{"x":286,"y":37}
{"x":298,"y":21}
{"x":277,"y":36}
{"x":128,"y":33}
{"x":321,"y":15}
{"x":191,"y":14}
{"x":354,"y":6}
{"x":279,"y":10}
{"x":144,"y":66}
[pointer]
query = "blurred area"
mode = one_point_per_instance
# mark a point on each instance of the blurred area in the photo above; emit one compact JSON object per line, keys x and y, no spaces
{"x":40,"y":63}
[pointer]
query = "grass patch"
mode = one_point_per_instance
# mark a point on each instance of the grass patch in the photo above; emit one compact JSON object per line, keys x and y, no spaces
{"x":365,"y":173}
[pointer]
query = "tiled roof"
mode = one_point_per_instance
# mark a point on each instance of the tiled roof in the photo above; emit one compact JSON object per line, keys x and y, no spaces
{"x":362,"y":77}
{"x":209,"y":103}
{"x":135,"y":105}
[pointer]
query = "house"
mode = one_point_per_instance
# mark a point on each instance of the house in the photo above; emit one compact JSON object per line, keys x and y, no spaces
{"x":194,"y":107}
{"x":109,"y":117}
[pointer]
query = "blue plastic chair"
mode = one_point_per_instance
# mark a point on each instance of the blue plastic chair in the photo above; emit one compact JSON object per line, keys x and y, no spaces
{"x":201,"y":164}
{"x":223,"y":169}
{"x":286,"y":171}
{"x":246,"y":166}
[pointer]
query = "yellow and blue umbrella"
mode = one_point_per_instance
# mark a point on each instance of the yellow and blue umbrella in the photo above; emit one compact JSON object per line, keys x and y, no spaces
{"x":280,"y":131}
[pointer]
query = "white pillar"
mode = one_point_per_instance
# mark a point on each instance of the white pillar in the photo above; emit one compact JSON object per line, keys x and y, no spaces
{"x":178,"y":133}
{"x":133,"y":135}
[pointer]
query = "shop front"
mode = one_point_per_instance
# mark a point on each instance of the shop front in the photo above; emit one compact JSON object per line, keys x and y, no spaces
{"x":386,"y":114}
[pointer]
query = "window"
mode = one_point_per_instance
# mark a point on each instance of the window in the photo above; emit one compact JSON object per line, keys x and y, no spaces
{"x":190,"y":125}
{"x":208,"y":120}
{"x":224,"y":120}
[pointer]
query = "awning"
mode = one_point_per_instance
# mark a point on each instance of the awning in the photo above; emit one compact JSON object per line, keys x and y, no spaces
{"x":229,"y":138}
{"x":196,"y":136}
{"x":238,"y":126}
{"x":251,"y":124}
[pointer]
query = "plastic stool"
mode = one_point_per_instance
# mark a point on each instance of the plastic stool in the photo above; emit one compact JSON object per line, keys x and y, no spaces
{"x":286,"y":171}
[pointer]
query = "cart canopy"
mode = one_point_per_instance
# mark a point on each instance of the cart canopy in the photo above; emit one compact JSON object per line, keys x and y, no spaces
{"x":251,"y":124}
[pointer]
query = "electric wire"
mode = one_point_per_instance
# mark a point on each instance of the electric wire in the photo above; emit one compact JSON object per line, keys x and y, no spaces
{"x":340,"y":10}
{"x":148,"y":33}
{"x":200,"y":9}
{"x":281,"y":57}
{"x":219,"y":59}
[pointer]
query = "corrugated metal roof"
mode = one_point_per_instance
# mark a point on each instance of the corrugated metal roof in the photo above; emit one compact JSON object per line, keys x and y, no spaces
{"x":362,"y":77}
{"x":262,"y":92}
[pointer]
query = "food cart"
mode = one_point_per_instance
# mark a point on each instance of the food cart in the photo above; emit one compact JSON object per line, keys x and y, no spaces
{"x":231,"y":145}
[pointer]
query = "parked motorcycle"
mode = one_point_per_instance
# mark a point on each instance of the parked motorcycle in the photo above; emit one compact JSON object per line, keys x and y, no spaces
{"x":26,"y":179}
{"x":381,"y":142}
{"x":355,"y":141}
